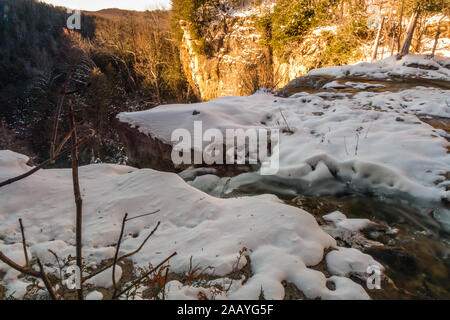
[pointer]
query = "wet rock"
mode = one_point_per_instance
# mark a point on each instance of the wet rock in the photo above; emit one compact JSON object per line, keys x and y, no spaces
{"x":291,"y":292}
{"x":378,"y":232}
{"x":421,"y":66}
{"x":395,"y":258}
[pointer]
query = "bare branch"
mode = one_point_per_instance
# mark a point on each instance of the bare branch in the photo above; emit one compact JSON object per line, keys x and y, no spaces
{"x":24,"y":243}
{"x":58,"y":115}
{"x":77,"y":194}
{"x":165,"y":282}
{"x":287,"y":124}
{"x":144,"y":215}
{"x":12,"y":264}
{"x":122,"y":257}
{"x":124,"y":221}
{"x":59,"y":267}
{"x":64,"y":141}
{"x":45,"y":163}
{"x":47,"y":283}
{"x":136,"y":282}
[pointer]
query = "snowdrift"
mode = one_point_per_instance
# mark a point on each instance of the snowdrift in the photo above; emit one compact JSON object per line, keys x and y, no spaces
{"x":283,"y":242}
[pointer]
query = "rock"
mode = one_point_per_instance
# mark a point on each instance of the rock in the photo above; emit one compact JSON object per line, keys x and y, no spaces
{"x":421,"y":66}
{"x":305,"y":83}
{"x":395,"y":258}
{"x":144,"y":151}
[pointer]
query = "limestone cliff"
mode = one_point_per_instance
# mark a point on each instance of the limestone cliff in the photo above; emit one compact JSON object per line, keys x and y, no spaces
{"x":238,"y":63}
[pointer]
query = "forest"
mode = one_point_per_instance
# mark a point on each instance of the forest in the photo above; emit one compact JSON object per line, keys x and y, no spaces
{"x":117,"y":61}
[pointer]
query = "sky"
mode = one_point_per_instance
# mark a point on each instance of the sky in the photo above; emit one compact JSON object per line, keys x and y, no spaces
{"x":93,"y":5}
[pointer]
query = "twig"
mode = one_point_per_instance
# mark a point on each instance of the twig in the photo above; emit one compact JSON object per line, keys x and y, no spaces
{"x":144,"y":215}
{"x":63,"y":142}
{"x":122,"y":257}
{"x":24,"y":243}
{"x":142,"y":244}
{"x":45,"y":163}
{"x":357,"y":144}
{"x":287,"y":124}
{"x":47,"y":283}
{"x":12,"y":264}
{"x":136,"y":282}
{"x":58,"y":115}
{"x":59,"y":267}
{"x":77,"y":194}
{"x":165,"y":282}
{"x":124,"y":221}
{"x":368,"y":130}
{"x":345,"y":146}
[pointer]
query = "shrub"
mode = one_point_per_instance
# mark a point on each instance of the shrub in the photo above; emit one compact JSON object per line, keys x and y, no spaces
{"x":343,"y":47}
{"x":291,"y":20}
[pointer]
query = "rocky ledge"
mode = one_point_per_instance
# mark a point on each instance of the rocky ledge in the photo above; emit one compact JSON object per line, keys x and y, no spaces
{"x":144,"y":151}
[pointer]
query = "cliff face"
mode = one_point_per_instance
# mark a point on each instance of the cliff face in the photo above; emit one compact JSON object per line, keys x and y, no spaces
{"x":238,"y":63}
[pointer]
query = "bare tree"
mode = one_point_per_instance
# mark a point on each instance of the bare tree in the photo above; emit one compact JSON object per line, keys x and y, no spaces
{"x":436,"y":40}
{"x":377,"y":40}
{"x":409,"y":33}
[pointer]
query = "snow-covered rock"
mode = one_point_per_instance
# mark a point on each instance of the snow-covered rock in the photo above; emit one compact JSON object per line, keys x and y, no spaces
{"x":410,"y":67}
{"x":283,"y":242}
{"x":373,"y":141}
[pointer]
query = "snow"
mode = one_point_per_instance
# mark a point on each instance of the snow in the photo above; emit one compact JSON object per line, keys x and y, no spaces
{"x":344,"y":261}
{"x":211,"y":230}
{"x":340,"y":221}
{"x":104,"y":279}
{"x":94,"y":295}
{"x":392,"y":68}
{"x":370,"y":140}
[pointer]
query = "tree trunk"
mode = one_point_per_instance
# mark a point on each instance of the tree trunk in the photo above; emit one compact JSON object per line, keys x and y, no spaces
{"x":409,"y":34}
{"x":78,"y":198}
{"x":377,"y":41}
{"x":436,"y":40}
{"x":400,"y":26}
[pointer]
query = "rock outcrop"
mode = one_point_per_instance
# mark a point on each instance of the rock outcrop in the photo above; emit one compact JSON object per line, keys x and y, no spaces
{"x":237,"y":61}
{"x":144,"y":151}
{"x":238,"y":65}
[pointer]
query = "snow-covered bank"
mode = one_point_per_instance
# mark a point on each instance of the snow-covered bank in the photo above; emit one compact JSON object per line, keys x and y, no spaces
{"x":409,"y":67}
{"x":283,"y":242}
{"x":370,"y":140}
